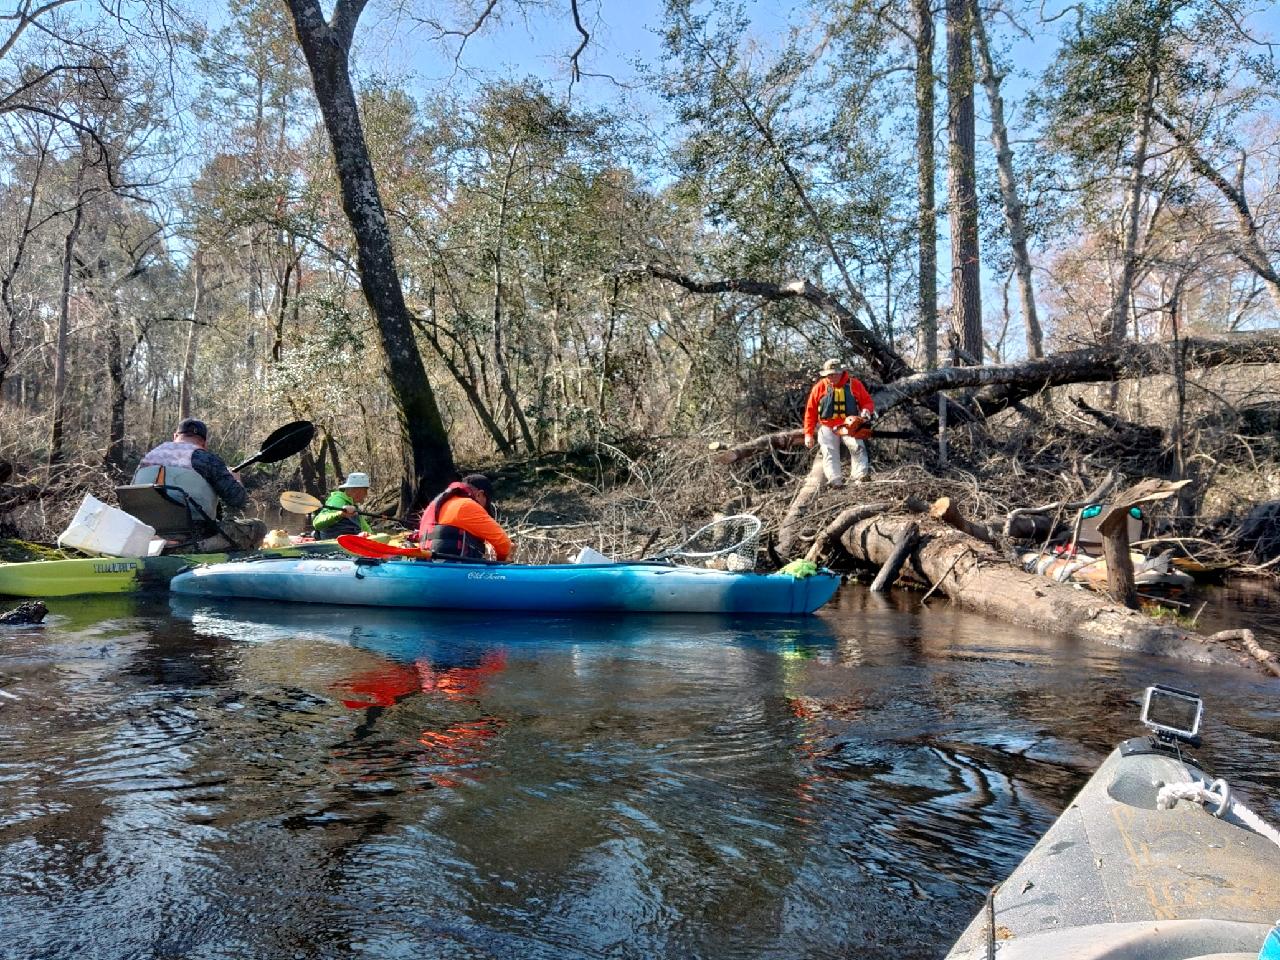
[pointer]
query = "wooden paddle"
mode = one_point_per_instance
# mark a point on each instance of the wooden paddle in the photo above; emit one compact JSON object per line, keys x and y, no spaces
{"x":295,"y":501}
{"x":364,"y":547}
{"x":282,"y":443}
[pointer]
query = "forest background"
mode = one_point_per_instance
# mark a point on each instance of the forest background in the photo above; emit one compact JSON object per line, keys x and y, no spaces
{"x":467,"y":234}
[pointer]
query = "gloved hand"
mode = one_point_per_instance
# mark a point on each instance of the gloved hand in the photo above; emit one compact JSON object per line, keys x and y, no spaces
{"x":808,"y":440}
{"x":349,"y":510}
{"x":866,"y":414}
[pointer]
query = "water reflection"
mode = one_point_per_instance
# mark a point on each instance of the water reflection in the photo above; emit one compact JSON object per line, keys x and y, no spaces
{"x":270,"y":780}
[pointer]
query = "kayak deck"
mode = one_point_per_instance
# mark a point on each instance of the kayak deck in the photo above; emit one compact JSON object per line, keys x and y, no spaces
{"x":462,"y":585}
{"x":96,"y":575}
{"x":1116,"y":878}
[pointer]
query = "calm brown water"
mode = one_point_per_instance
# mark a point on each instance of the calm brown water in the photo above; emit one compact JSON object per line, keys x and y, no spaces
{"x":255,"y":781}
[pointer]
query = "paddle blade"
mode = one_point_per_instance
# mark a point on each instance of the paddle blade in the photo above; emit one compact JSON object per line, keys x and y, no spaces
{"x":295,"y":501}
{"x":364,"y":547}
{"x":282,"y":443}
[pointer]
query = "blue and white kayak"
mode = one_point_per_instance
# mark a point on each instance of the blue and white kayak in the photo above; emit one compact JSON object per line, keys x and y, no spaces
{"x":562,"y":588}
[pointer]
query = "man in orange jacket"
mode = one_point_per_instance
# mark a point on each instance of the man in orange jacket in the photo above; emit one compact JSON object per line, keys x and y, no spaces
{"x":459,"y":523}
{"x":833,"y":399}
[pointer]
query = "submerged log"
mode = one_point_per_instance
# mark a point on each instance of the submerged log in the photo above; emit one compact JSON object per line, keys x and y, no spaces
{"x":902,"y":544}
{"x":975,"y":576}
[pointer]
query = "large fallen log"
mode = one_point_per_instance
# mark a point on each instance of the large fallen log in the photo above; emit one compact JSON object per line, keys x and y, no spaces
{"x":1005,"y":385}
{"x":975,"y":576}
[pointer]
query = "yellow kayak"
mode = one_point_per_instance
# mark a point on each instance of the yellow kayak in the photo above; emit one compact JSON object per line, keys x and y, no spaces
{"x":65,"y":578}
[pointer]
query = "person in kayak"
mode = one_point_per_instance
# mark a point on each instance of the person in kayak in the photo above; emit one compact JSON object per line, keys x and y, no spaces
{"x":187,"y":463}
{"x":832,"y":401}
{"x":459,"y":523}
{"x":341,"y":511}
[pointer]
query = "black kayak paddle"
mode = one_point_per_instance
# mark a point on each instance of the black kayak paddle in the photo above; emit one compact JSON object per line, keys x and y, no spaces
{"x":282,"y":443}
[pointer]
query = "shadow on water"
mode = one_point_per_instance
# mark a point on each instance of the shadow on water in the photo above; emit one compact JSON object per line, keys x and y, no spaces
{"x":193,"y":779}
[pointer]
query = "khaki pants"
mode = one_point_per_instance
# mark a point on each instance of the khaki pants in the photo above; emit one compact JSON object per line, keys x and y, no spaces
{"x":235,"y":535}
{"x":859,"y":463}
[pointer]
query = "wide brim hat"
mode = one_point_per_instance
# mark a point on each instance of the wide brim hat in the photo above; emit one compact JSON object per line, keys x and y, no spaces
{"x":355,"y":481}
{"x":834,"y":365}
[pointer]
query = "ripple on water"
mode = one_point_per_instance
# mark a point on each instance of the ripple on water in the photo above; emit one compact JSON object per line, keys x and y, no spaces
{"x":271,"y":781}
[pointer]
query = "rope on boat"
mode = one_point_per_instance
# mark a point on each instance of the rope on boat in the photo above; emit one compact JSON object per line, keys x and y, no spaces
{"x":1219,"y":794}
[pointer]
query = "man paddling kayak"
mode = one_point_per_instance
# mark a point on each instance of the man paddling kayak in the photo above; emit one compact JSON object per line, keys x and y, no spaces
{"x":341,"y":511}
{"x":186,"y":462}
{"x":459,"y":523}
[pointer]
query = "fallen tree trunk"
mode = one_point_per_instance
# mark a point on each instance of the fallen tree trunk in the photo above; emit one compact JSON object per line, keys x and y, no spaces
{"x":789,"y":440}
{"x":973,"y":575}
{"x":1006,"y":384}
{"x":830,"y":536}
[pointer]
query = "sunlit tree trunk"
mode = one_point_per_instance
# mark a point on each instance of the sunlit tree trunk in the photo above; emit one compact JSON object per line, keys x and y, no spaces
{"x":1013,"y":209}
{"x":966,"y":297}
{"x":499,"y":351}
{"x":927,"y":215}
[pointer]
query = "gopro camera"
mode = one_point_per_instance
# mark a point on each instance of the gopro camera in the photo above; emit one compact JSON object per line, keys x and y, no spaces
{"x":1173,"y":714}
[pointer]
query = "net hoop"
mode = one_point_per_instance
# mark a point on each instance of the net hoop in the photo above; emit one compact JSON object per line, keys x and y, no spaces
{"x":753,"y":527}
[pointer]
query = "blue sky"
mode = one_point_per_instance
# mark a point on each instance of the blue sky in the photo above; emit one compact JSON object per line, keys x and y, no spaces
{"x":624,"y":31}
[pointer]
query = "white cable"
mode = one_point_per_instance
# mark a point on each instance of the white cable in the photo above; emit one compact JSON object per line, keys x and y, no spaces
{"x":1219,"y":793}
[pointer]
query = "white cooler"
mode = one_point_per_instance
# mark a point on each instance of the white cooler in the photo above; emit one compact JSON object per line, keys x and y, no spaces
{"x":101,"y":529}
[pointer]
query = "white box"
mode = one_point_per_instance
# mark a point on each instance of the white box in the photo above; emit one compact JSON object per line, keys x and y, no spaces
{"x":101,"y":529}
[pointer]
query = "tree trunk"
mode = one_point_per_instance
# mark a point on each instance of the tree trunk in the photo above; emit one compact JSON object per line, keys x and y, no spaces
{"x":927,"y":214}
{"x":1013,"y":209}
{"x":789,"y":531}
{"x":1115,"y":550}
{"x":327,"y":47}
{"x":64,"y":325}
{"x":966,"y":296}
{"x":903,"y":541}
{"x":973,"y":575}
{"x":1008,"y":384}
{"x":115,"y":371}
{"x":887,"y":363}
{"x":193,"y":340}
{"x":1116,"y":326}
{"x":499,"y":351}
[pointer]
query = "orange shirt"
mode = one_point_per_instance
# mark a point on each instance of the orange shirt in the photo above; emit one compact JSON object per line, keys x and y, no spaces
{"x":465,"y":514}
{"x":857,"y":398}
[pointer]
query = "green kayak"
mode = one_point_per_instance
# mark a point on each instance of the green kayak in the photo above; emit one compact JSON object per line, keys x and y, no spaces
{"x":64,"y":578}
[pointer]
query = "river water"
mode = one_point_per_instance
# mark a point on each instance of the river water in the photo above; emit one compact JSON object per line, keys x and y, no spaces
{"x":182,"y":780}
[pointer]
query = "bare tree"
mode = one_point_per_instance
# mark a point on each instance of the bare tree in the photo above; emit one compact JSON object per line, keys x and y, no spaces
{"x":1013,"y":209}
